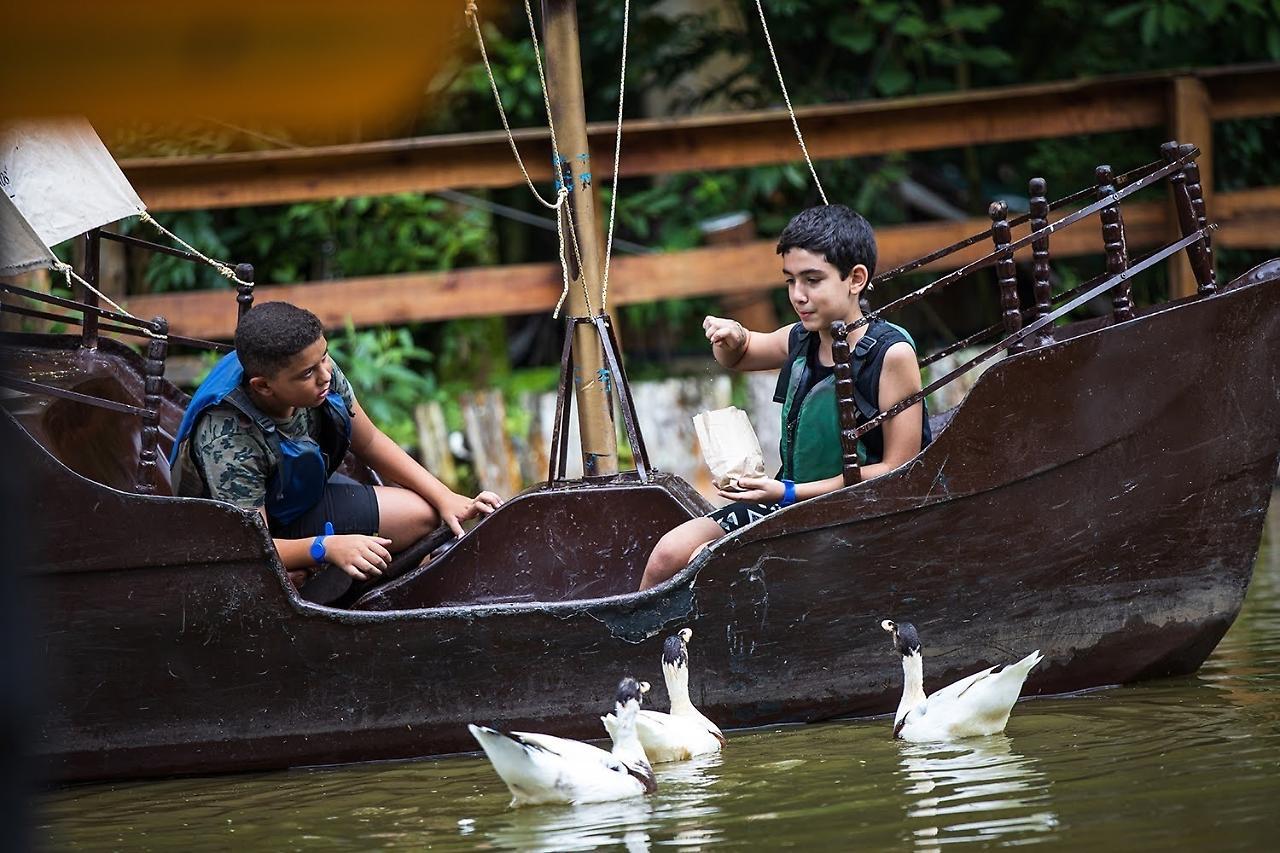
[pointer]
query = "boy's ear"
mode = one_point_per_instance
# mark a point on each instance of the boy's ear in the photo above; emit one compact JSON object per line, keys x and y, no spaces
{"x":858,"y":278}
{"x":261,"y":385}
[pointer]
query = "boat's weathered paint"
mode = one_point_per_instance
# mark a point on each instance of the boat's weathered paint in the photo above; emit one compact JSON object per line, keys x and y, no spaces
{"x":1100,"y":498}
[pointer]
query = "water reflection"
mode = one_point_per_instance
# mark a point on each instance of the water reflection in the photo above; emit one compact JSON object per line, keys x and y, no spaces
{"x":975,"y":790}
{"x":682,"y":810}
{"x":590,"y":826}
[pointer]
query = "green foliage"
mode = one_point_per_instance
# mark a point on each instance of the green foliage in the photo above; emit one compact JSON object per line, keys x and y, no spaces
{"x":199,"y":228}
{"x":465,"y":93}
{"x":316,"y":241}
{"x":390,"y":375}
{"x":829,"y":51}
{"x":473,"y":351}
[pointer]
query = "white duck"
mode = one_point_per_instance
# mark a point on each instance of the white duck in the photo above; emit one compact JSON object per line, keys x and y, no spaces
{"x":973,"y":706}
{"x":683,"y":733}
{"x":547,"y":769}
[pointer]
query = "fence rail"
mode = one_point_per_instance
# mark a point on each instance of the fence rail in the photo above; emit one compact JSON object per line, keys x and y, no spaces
{"x":1186,"y":103}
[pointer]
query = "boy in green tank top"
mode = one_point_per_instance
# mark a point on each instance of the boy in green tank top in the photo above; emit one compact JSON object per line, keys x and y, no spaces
{"x":828,"y":256}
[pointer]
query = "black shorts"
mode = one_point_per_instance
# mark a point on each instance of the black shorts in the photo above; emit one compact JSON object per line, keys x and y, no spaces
{"x":741,"y":513}
{"x":351,"y":506}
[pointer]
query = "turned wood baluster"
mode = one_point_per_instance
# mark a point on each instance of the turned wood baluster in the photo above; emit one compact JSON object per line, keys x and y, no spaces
{"x":92,"y":276}
{"x":1040,"y":256}
{"x":153,"y":373}
{"x":848,"y":410}
{"x":1196,"y":191}
{"x":1006,"y":274}
{"x":1113,"y":240}
{"x":1201,"y":265}
{"x":244,"y":292}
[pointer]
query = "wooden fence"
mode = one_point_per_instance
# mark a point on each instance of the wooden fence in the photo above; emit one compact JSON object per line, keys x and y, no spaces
{"x":1186,"y":104}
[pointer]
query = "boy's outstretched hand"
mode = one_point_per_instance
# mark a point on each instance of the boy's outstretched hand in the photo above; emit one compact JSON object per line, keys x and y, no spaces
{"x":727,"y":334}
{"x":458,"y":508}
{"x":761,"y":490}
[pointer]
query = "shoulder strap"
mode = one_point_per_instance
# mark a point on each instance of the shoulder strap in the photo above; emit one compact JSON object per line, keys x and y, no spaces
{"x":862,"y":354}
{"x":240,"y":400}
{"x":870,"y":349}
{"x":795,"y":342}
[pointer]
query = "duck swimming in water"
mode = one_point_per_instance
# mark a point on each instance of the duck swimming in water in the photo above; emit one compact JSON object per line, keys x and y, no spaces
{"x":973,"y":706}
{"x":685,"y":732}
{"x":547,"y":769}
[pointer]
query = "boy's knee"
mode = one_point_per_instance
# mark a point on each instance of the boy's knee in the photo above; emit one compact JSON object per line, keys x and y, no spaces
{"x":669,"y":556}
{"x":662,"y":557}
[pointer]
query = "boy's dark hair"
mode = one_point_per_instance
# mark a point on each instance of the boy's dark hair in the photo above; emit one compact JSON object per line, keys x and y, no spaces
{"x":272,"y":333}
{"x":836,"y":232}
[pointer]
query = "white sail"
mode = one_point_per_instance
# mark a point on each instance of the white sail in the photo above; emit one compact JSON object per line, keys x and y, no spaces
{"x":62,"y":181}
{"x":21,"y":249}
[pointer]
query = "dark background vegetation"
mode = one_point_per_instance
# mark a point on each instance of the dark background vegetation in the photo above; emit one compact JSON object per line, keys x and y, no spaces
{"x":711,"y":56}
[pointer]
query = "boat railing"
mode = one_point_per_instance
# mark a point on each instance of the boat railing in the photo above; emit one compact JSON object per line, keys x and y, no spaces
{"x":93,"y":320}
{"x":1019,"y":323}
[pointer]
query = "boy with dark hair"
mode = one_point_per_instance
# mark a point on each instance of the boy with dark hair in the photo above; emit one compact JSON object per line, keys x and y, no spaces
{"x":267,"y":430}
{"x":828,"y":256}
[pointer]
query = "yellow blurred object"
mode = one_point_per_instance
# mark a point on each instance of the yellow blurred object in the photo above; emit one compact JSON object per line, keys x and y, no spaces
{"x":301,"y":64}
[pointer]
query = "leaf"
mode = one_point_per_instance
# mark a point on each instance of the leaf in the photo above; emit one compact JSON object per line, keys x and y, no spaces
{"x":893,"y":81}
{"x":972,"y":18}
{"x":1151,"y":26}
{"x":911,"y":26}
{"x":851,"y":34}
{"x":883,"y":11}
{"x":1116,"y":17}
{"x":1175,"y":20}
{"x":989,"y":56}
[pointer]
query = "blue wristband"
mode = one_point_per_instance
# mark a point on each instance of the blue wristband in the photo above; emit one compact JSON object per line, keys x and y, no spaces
{"x":788,"y":493}
{"x":317,"y":544}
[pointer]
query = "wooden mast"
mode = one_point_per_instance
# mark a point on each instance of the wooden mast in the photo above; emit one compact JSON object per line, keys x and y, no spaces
{"x":593,"y":384}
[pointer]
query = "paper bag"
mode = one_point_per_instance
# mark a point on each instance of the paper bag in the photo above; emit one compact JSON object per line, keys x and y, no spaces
{"x":729,"y":445}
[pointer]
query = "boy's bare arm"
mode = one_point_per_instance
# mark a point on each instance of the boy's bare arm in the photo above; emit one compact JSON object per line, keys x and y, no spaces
{"x":899,"y":379}
{"x":386,"y":457}
{"x":738,"y":348}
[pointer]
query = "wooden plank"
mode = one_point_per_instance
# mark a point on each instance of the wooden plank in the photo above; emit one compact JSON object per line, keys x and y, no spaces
{"x":528,"y":288}
{"x":1249,"y":219}
{"x":665,"y":146}
{"x":1241,"y":91}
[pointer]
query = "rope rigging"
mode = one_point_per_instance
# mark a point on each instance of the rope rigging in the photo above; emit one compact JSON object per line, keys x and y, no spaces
{"x":787,"y":98}
{"x":562,"y":193}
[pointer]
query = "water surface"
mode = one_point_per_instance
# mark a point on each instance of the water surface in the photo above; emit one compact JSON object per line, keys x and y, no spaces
{"x":1192,"y":763}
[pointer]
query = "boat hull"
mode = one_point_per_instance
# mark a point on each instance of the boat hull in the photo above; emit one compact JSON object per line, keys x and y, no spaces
{"x":1101,"y":499}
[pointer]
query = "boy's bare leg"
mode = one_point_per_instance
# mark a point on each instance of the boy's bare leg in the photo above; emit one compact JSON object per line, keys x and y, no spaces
{"x":404,"y":516}
{"x":677,"y":547}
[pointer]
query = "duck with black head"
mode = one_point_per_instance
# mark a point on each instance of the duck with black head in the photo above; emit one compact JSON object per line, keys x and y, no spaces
{"x":685,"y":732}
{"x":547,"y":769}
{"x":971,"y":707}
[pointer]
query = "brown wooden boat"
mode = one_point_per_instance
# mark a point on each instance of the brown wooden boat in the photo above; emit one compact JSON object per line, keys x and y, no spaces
{"x":1098,"y":495}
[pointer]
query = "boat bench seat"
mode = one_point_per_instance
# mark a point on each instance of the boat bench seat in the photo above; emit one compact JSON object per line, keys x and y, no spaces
{"x":562,"y":544}
{"x":96,"y":443}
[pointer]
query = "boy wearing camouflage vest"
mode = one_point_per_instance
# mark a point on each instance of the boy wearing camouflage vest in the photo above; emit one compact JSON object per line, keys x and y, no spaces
{"x":266,"y":432}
